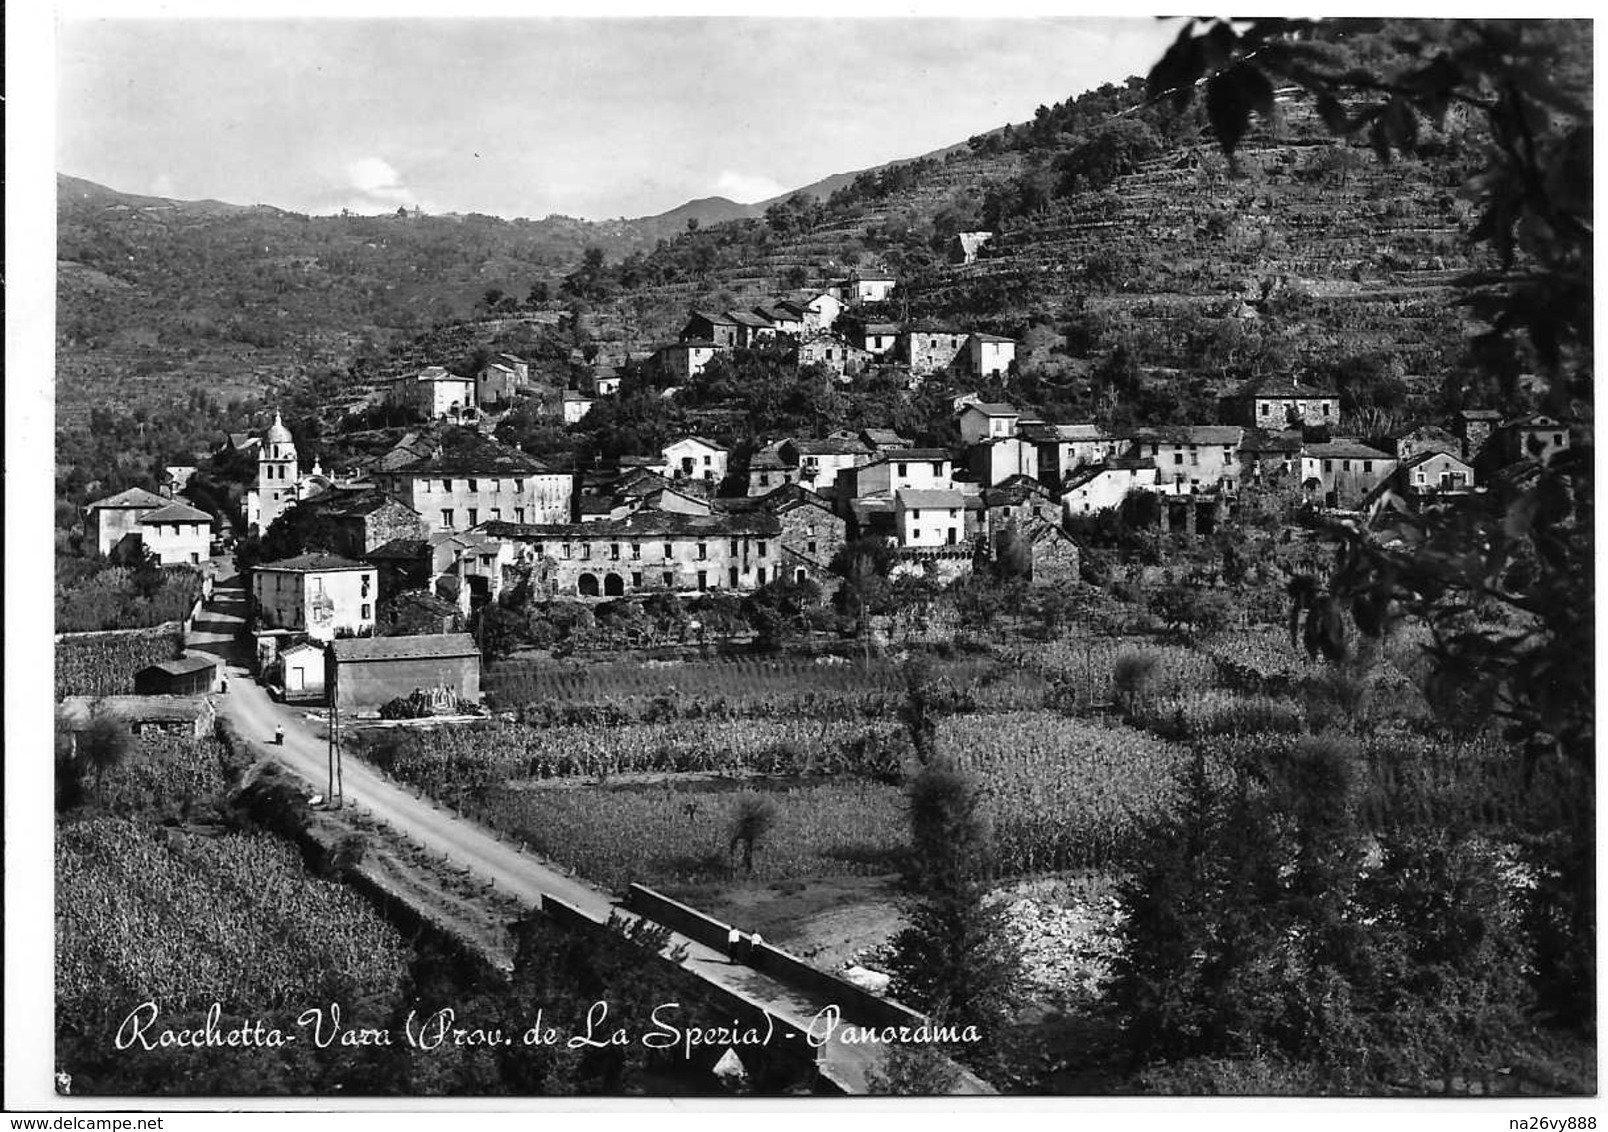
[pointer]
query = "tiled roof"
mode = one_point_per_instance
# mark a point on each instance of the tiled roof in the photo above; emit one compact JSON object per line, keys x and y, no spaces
{"x":917,"y":497}
{"x":830,"y":447}
{"x":642,"y":524}
{"x":1424,"y":457}
{"x":463,"y":451}
{"x":715,"y":319}
{"x":704,"y":440}
{"x":992,"y":408}
{"x":753,"y":320}
{"x":1189,"y":434}
{"x":176,"y":513}
{"x":312,"y":564}
{"x":77,"y":710}
{"x":185,"y":665}
{"x":399,"y":549}
{"x":993,"y":338}
{"x":1344,"y":449}
{"x":133,"y":497}
{"x":1282,"y":387}
{"x":359,"y":649}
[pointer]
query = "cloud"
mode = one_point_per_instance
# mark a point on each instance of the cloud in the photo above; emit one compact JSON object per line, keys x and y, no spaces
{"x":745,"y":188}
{"x":378,"y":183}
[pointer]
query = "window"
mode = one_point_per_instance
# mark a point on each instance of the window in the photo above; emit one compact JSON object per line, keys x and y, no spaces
{"x":703,"y":579}
{"x":810,"y":546}
{"x":614,"y":551}
{"x":566,"y":550}
{"x":707,"y":461}
{"x":636,"y":579}
{"x":703,"y":551}
{"x":1557,"y":439}
{"x":764,"y":479}
{"x":904,"y":469}
{"x":915,"y":513}
{"x":668,"y":550}
{"x":761,"y":552}
{"x":760,"y":574}
{"x":496,"y":485}
{"x":446,"y":485}
{"x":669,"y":578}
{"x":474,"y":485}
{"x":368,"y":612}
{"x":1328,"y":465}
{"x":938,"y":468}
{"x":1326,"y":408}
{"x":1264,"y":408}
{"x":915,"y":534}
{"x":1367,"y":465}
{"x":474,"y":516}
{"x":519,"y":514}
{"x":446,"y":516}
{"x":636,"y":550}
{"x":952,"y":512}
{"x":496,"y":514}
{"x":536,"y":549}
{"x":586,"y":550}
{"x":519,"y":485}
{"x":733,"y":547}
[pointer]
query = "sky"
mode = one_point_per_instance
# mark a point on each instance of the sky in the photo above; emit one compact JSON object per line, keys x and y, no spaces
{"x":595,"y":118}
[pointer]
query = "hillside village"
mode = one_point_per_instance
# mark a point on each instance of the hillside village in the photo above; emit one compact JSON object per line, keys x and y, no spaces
{"x":450,"y":513}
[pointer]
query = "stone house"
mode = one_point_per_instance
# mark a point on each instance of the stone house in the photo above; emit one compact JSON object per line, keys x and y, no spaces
{"x":925,"y":469}
{"x":434,"y":394}
{"x":769,"y":469}
{"x":647,"y":552}
{"x":685,"y":360}
{"x":981,"y":421}
{"x":1021,"y":500}
{"x":193,"y":717}
{"x":457,"y":479}
{"x":990,"y":355}
{"x":575,"y":406}
{"x":117,"y":517}
{"x":1533,"y":437}
{"x":1341,"y":473}
{"x":811,"y":534}
{"x":1474,"y":429}
{"x":1102,"y":487}
{"x":1277,"y":403}
{"x":931,"y":351}
{"x":367,"y":519}
{"x":1065,"y":448}
{"x":819,"y":461}
{"x":322,"y":595}
{"x":929,"y":518}
{"x":838,"y":355}
{"x":177,"y":534}
{"x":719,"y":330}
{"x":753,"y":329}
{"x":994,"y":461}
{"x":367,"y":674}
{"x":1191,"y":458}
{"x":499,"y":380}
{"x":1405,"y":443}
{"x":696,"y":458}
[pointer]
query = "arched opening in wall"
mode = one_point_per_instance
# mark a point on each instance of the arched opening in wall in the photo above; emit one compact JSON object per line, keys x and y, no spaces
{"x":800,"y":574}
{"x":586,"y":585}
{"x":613,"y":585}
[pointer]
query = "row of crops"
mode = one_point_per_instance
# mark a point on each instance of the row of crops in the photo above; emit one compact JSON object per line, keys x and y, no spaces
{"x":186,"y":920}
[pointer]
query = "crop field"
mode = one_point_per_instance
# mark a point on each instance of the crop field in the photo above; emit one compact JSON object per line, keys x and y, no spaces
{"x":104,"y":664}
{"x":516,"y":682}
{"x":1063,"y":793}
{"x":680,"y":833}
{"x":142,"y":913}
{"x":167,"y":771}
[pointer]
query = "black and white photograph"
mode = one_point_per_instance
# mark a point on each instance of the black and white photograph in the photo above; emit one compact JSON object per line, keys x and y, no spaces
{"x":734,"y":557}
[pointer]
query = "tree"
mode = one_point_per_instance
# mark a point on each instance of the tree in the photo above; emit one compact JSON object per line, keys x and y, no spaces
{"x":753,"y":818}
{"x":1525,"y":545}
{"x":102,"y":745}
{"x":956,"y":958}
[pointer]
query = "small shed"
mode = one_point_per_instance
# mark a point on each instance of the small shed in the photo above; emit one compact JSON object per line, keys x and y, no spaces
{"x":365,"y":673}
{"x":302,"y":673}
{"x":187,"y":676}
{"x":190,"y":716}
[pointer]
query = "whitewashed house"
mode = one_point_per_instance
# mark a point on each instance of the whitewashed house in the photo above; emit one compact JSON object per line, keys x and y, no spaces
{"x":321,"y":595}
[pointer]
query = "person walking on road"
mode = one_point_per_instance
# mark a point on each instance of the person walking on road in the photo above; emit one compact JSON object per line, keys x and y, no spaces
{"x":279,"y":735}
